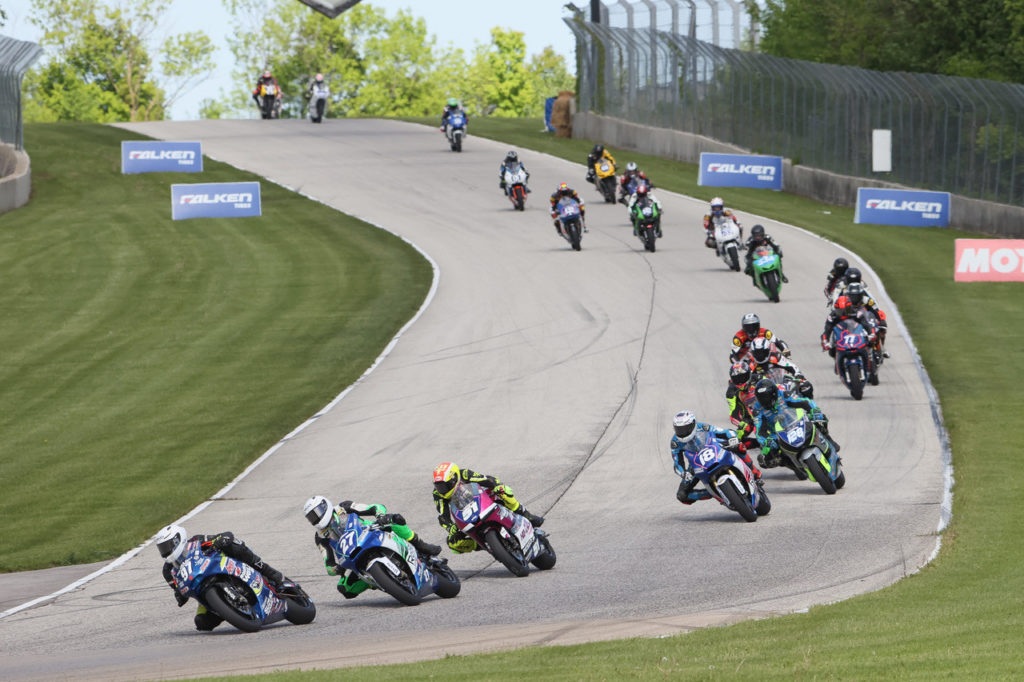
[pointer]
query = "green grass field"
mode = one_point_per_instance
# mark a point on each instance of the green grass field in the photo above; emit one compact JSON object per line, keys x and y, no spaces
{"x":147,"y":361}
{"x":959,"y":618}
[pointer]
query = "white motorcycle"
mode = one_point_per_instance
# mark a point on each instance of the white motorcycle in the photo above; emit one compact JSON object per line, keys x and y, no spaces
{"x":318,"y":102}
{"x":515,"y":185}
{"x":727,"y":235}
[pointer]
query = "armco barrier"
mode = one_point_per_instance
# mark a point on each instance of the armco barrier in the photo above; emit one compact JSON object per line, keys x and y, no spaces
{"x":16,"y":187}
{"x":971,"y":215}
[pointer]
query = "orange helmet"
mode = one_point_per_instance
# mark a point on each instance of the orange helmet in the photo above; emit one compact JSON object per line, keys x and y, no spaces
{"x":844,"y":305}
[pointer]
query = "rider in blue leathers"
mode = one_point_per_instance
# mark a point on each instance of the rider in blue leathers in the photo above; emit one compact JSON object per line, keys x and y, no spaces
{"x":772,"y":399}
{"x":690,"y":437}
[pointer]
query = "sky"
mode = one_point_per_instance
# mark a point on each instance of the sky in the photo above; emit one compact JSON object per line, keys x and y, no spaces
{"x":462,"y":25}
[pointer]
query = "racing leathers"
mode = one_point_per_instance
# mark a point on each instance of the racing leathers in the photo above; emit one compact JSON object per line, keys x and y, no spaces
{"x":770,"y":455}
{"x":458,"y":541}
{"x":350,"y":585}
{"x":741,"y":343}
{"x":448,"y":111}
{"x":593,"y":159}
{"x":709,"y":226}
{"x":636,"y":206}
{"x":573,"y":194}
{"x":225,"y":543}
{"x":262,"y":81}
{"x":743,"y":407}
{"x":511,"y":167}
{"x":789,"y":367}
{"x":628,"y":183}
{"x":682,"y":459}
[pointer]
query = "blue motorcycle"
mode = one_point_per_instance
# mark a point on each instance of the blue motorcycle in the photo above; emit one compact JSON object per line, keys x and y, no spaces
{"x":571,"y":218}
{"x":455,"y":130}
{"x":237,"y":592}
{"x":730,"y":480}
{"x":387,"y":562}
{"x":854,"y":361}
{"x":807,"y":450}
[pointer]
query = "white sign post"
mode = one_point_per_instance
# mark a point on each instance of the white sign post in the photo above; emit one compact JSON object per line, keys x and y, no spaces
{"x":881,"y":151}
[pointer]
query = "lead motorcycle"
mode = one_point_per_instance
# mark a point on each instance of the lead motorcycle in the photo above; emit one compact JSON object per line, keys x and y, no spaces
{"x":237,"y":592}
{"x":508,"y":537}
{"x":807,"y":450}
{"x":571,"y":217}
{"x":730,"y":481}
{"x":270,"y":101}
{"x":389,"y":563}
{"x":515,"y":185}
{"x":455,"y":130}
{"x":318,"y":102}
{"x":725,"y":240}
{"x":854,"y":356}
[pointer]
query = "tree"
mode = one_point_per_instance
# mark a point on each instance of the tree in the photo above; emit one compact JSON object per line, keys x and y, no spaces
{"x":107,"y":50}
{"x":550,"y":73}
{"x":501,"y":69}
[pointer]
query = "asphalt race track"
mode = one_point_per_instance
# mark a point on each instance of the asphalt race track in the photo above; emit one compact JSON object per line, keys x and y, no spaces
{"x":558,"y":372}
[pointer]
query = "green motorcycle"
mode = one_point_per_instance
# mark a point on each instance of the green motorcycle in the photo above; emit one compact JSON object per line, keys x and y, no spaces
{"x":646,"y":219}
{"x":767,"y":272}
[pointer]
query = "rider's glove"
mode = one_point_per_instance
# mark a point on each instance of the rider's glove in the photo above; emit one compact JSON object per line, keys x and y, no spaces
{"x":391,"y":519}
{"x":180,"y":598}
{"x":502,"y":490}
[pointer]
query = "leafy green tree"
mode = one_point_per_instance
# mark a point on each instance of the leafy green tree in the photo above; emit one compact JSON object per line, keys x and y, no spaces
{"x":507,"y":83}
{"x":550,"y":73}
{"x":107,"y":50}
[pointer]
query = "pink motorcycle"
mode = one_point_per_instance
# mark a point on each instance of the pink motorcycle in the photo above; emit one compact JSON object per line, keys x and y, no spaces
{"x":509,"y":537}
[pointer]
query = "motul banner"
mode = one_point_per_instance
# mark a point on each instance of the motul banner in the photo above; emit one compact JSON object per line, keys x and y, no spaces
{"x":143,"y":156}
{"x":989,"y":260}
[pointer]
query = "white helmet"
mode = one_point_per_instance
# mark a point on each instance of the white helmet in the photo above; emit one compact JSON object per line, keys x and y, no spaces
{"x":631,"y":167}
{"x":685,"y":424}
{"x":318,"y":511}
{"x":761,"y":350}
{"x":717,"y":204}
{"x":170,"y":542}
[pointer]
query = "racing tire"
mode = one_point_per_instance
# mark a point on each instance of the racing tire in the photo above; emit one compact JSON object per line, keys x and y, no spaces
{"x":856,"y":378}
{"x":516,"y":564}
{"x":821,"y":476}
{"x":448,"y":584}
{"x":738,"y":501}
{"x":840,"y":479}
{"x":320,"y":106}
{"x":545,"y":561}
{"x":608,"y":189}
{"x":301,"y":609}
{"x":771,"y":284}
{"x":457,"y":142}
{"x":649,"y":238}
{"x":764,"y":505}
{"x":734,"y":258}
{"x":403,"y":591}
{"x":224,"y":606}
{"x":573,"y":229}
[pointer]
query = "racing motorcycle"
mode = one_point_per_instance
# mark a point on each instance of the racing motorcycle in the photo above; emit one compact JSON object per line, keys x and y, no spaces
{"x":789,"y":382}
{"x":318,"y":102}
{"x":767,"y":272}
{"x":854,"y":356}
{"x":629,"y":193}
{"x":646,"y":222}
{"x":604,"y":171}
{"x":455,"y":130}
{"x":515,"y":185}
{"x":572,"y":221}
{"x":725,"y":241}
{"x":507,"y":536}
{"x":808,"y":451}
{"x":389,"y":563}
{"x":237,"y":592}
{"x":730,"y":481}
{"x":270,"y":104}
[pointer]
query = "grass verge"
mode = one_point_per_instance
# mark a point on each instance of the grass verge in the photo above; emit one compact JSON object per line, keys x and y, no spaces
{"x":962,"y":616}
{"x":147,"y":361}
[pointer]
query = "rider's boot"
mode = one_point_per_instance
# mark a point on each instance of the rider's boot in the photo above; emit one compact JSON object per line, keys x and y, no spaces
{"x":537,"y":521}
{"x":424,"y":547}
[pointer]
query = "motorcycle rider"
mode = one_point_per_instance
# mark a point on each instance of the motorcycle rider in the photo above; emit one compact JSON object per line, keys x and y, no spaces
{"x":565,"y":191}
{"x":750,"y":329}
{"x":510,"y":162}
{"x":446,"y":476}
{"x":852,"y":276}
{"x":717,"y":210}
{"x":689,"y":438}
{"x":742,"y":401}
{"x":171,"y":542}
{"x":771,"y":400}
{"x":450,"y":107}
{"x":329,"y":523}
{"x":844,"y":309}
{"x":267,"y":78}
{"x":629,"y":179}
{"x":642,"y":198}
{"x":596,"y":154}
{"x":861,"y":300}
{"x":764,"y":356}
{"x":758,"y":237}
{"x":835,"y":275}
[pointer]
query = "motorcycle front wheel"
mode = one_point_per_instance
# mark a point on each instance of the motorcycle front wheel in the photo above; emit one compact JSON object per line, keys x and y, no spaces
{"x":734,"y":258}
{"x":301,"y":609}
{"x":401,"y":588}
{"x":227,"y":602}
{"x":821,"y":476}
{"x":448,"y":584}
{"x":545,"y":560}
{"x":511,"y":558}
{"x":738,"y":500}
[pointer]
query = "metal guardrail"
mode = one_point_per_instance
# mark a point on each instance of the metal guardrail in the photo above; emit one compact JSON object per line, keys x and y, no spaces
{"x":16,"y":56}
{"x":953,"y":134}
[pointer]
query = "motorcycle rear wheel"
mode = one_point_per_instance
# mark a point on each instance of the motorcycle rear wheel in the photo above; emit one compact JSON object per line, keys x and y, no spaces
{"x":513,"y":561}
{"x":223,"y":605}
{"x":739,"y":501}
{"x":404,"y":590}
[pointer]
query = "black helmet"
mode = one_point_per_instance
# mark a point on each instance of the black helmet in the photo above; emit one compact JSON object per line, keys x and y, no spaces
{"x":511,"y":157}
{"x":767,"y":393}
{"x":685,"y":425}
{"x":751,"y":324}
{"x":757,"y":232}
{"x":839,"y":266}
{"x":855,"y":292}
{"x":852,"y":275}
{"x":739,"y":374}
{"x":598,"y":150}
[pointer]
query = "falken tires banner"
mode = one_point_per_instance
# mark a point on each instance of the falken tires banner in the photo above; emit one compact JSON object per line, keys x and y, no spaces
{"x":215,"y":200}
{"x":160,"y":157}
{"x":909,"y":207}
{"x":740,"y":170}
{"x":989,"y":260}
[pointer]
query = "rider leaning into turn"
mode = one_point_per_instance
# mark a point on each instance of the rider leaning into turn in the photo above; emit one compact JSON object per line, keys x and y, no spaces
{"x":450,"y":107}
{"x":771,"y":401}
{"x":689,"y":438}
{"x":330,"y":524}
{"x":565,"y":190}
{"x":750,"y":329}
{"x":171,"y":542}
{"x":758,"y":237}
{"x":716,"y":210}
{"x":511,"y":161}
{"x":446,"y":476}
{"x":595,"y":155}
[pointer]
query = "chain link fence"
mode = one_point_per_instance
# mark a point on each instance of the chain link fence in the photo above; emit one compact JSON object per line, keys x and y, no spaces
{"x":15,"y":58}
{"x":960,"y":135}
